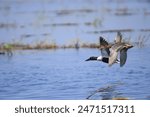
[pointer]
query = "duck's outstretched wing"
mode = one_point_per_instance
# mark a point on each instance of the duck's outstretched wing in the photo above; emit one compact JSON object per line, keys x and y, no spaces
{"x":123,"y":57}
{"x":104,"y":47}
{"x":118,"y":38}
{"x":113,"y":57}
{"x":103,"y":42}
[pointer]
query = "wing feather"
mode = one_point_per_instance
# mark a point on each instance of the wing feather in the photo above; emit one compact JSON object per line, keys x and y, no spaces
{"x":118,"y":38}
{"x":103,"y":42}
{"x":123,"y":57}
{"x":104,"y":47}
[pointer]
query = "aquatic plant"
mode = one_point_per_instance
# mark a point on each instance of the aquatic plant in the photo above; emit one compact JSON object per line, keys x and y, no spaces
{"x":6,"y":49}
{"x":141,"y":40}
{"x":45,"y":44}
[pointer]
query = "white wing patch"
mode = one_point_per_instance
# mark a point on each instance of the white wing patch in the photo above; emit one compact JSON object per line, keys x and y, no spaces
{"x":99,"y":58}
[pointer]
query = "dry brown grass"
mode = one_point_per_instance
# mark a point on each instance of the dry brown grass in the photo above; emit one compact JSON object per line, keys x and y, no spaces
{"x":141,"y":41}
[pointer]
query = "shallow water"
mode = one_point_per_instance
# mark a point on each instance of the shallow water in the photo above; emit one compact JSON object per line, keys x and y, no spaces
{"x":64,"y":74}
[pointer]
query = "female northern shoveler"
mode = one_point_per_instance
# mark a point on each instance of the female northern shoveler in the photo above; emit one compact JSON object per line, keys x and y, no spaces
{"x":119,"y":46}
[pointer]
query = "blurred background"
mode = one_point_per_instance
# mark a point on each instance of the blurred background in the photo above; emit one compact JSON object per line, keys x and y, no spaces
{"x":64,"y":22}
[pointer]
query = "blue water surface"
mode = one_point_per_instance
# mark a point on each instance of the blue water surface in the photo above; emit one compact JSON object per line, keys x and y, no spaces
{"x":64,"y":74}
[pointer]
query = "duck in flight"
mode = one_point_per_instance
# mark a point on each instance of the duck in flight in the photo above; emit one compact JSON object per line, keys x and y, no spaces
{"x":109,"y":52}
{"x":105,"y":52}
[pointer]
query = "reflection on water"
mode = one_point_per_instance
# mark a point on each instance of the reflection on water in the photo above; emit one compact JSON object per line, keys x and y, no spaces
{"x":64,"y":74}
{"x":106,"y":93}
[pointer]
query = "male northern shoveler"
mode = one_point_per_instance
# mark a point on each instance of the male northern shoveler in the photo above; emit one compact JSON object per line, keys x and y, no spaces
{"x":105,"y":53}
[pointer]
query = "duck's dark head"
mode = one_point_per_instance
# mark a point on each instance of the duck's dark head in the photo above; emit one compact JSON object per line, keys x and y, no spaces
{"x":92,"y":58}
